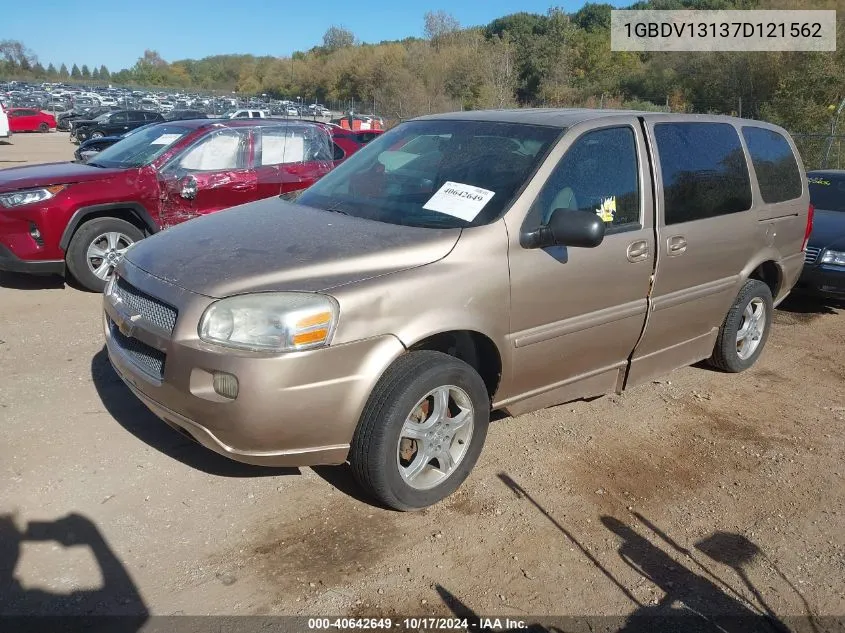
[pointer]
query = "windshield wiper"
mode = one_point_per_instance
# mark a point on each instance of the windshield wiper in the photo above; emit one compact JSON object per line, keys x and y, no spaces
{"x":335,"y":208}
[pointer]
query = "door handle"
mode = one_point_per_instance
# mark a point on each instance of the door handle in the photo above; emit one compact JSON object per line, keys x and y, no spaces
{"x":676,"y":245}
{"x":637,"y":251}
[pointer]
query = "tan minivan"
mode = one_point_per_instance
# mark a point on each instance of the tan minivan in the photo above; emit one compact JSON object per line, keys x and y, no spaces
{"x":461,"y":263}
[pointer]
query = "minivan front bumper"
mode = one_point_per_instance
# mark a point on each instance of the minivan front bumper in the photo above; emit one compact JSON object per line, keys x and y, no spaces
{"x":294,"y":409}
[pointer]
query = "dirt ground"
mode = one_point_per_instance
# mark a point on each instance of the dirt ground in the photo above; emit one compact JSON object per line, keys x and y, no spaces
{"x":701,"y":492}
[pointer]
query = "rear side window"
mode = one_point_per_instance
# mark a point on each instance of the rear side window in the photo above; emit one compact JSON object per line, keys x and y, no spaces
{"x":777,"y":171}
{"x":704,"y":171}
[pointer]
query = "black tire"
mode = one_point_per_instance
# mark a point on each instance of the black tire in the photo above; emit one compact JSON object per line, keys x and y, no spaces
{"x":725,"y":354}
{"x":374,"y":450}
{"x":43,"y":128}
{"x":77,"y":252}
{"x":97,"y":134}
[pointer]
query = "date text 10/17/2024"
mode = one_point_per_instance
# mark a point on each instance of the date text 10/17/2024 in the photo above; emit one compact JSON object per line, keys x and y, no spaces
{"x":417,"y":623}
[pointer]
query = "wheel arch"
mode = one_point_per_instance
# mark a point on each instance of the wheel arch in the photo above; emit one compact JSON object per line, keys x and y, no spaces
{"x":769,"y":271}
{"x":474,"y":348}
{"x":132,"y":212}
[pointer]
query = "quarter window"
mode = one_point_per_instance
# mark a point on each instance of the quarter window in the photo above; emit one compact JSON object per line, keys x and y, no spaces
{"x":598,"y":173}
{"x":774,"y":163}
{"x":704,"y":171}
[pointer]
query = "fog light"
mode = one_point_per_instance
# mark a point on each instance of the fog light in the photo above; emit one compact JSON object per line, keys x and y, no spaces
{"x":226,"y":385}
{"x":36,"y":234}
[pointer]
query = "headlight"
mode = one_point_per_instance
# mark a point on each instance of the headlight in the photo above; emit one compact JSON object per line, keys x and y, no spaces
{"x":273,"y":321}
{"x":834,"y":257}
{"x":29,"y":196}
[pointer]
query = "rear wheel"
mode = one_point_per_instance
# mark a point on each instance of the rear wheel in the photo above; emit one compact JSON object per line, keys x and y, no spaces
{"x":422,"y":430}
{"x":97,"y":247}
{"x":745,"y":329}
{"x":43,"y":127}
{"x":97,"y":135}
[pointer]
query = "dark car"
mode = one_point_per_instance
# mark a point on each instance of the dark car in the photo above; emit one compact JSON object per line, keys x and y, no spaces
{"x":180,"y":115}
{"x":824,"y":267}
{"x":63,"y":121}
{"x":112,"y":124}
{"x":93,"y":146}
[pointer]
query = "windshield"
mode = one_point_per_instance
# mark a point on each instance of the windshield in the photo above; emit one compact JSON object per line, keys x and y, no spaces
{"x":141,"y":148}
{"x":102,"y":118}
{"x":435,"y":173}
{"x":827,"y":193}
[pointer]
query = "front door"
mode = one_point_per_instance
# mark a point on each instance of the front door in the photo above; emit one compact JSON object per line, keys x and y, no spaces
{"x":577,"y":313}
{"x":212,"y":174}
{"x":705,"y":235}
{"x":117,"y":124}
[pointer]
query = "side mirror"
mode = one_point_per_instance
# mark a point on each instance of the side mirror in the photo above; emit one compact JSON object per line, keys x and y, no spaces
{"x":189,"y":188}
{"x":568,"y":227}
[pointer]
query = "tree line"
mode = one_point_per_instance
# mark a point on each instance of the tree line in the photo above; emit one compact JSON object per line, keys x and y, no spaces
{"x":523,"y":59}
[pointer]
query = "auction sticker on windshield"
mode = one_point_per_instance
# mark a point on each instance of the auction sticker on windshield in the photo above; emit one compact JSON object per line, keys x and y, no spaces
{"x":165,"y":139}
{"x":459,"y":200}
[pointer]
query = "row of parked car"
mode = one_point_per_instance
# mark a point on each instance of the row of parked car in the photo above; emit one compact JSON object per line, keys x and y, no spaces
{"x":376,"y":309}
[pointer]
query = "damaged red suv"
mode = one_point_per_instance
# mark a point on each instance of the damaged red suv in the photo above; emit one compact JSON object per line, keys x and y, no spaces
{"x":81,"y":217}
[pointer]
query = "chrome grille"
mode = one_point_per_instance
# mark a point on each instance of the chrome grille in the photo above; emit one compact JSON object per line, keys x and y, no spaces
{"x":147,"y":358}
{"x":811,"y":255}
{"x":151,"y":309}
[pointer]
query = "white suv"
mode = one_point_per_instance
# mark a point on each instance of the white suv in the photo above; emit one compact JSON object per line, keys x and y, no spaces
{"x":249,"y":114}
{"x":5,"y":132}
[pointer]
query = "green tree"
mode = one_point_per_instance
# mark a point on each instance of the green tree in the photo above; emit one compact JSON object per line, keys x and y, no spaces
{"x":75,"y":73}
{"x":104,"y":72}
{"x":51,"y":71}
{"x":63,"y":73}
{"x":95,"y":74}
{"x":86,"y":72}
{"x":337,"y":37}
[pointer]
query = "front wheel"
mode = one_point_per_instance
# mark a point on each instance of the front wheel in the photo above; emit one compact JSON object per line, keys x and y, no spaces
{"x":97,"y":135}
{"x":745,"y":329}
{"x":97,"y":247}
{"x":421,"y":431}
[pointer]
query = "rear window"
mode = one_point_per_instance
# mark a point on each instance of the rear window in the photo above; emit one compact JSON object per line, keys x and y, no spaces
{"x":827,"y":193}
{"x":704,"y":171}
{"x":775,"y":165}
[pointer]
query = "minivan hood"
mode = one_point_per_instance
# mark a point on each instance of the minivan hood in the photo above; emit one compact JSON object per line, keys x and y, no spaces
{"x":27,"y":176}
{"x":273,"y":245}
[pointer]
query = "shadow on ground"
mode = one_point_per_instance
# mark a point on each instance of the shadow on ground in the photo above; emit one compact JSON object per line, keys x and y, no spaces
{"x":118,"y":596}
{"x":799,"y":303}
{"x":694,"y":598}
{"x":133,"y":416}
{"x":19,"y":281}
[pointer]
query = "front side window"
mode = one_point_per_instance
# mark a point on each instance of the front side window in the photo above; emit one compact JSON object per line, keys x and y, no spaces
{"x":468,"y":177}
{"x":704,"y":171}
{"x":119,"y":117}
{"x":599,"y":173}
{"x":774,"y":163}
{"x":220,"y":151}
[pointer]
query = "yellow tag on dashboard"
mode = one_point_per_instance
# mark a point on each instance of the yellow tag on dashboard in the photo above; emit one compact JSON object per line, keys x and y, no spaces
{"x":607,"y":210}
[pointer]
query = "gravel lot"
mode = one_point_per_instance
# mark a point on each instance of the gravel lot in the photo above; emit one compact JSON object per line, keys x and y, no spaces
{"x":722,"y":493}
